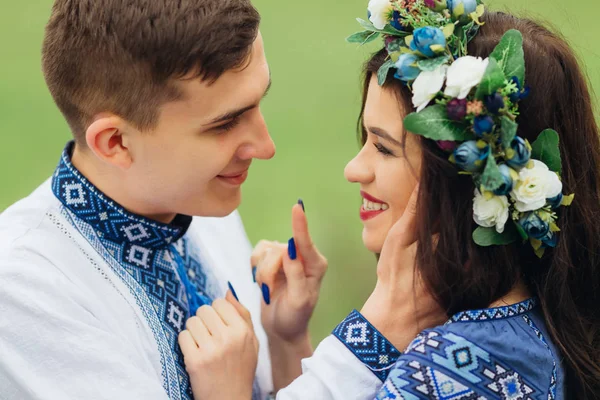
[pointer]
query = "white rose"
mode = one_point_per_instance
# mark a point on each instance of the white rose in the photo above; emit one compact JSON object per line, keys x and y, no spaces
{"x":427,"y":85}
{"x":380,"y":12}
{"x":463,"y":75}
{"x":534,"y":186}
{"x":490,"y":211}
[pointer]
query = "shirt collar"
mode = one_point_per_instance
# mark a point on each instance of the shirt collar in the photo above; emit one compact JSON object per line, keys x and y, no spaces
{"x":107,"y":217}
{"x":488,"y":314}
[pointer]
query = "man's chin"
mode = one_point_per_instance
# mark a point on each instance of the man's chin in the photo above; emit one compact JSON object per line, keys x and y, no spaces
{"x":218,"y":208}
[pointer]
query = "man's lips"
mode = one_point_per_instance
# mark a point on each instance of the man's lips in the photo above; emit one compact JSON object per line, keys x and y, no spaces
{"x":235,"y":178}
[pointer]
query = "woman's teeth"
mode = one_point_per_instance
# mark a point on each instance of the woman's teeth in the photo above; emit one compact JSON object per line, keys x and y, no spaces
{"x":370,"y":206}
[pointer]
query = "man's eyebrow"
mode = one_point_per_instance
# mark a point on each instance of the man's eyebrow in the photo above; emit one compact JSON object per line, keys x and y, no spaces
{"x":384,"y":135}
{"x":236,"y":113}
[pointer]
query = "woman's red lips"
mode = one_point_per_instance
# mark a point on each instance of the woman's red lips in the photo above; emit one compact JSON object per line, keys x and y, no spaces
{"x":371,"y":206}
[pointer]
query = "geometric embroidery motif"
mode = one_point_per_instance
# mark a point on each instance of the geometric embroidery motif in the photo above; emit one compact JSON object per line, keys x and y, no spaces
{"x":553,"y":379}
{"x":494,"y":313}
{"x":144,"y":251}
{"x":447,"y":366}
{"x":367,"y":344}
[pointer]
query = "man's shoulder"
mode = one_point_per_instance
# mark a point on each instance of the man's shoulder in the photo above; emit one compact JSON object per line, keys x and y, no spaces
{"x":25,"y":224}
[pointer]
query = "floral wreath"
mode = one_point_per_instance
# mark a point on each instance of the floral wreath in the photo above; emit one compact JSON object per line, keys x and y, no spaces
{"x":469,"y":106}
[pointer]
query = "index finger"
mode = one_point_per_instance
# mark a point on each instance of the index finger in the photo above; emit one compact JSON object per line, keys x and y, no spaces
{"x":404,"y":230}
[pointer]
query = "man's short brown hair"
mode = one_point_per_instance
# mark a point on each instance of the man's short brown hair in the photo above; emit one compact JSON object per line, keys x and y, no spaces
{"x":120,"y":56}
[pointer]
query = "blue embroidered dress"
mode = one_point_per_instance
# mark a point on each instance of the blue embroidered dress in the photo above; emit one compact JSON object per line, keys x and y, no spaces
{"x":497,"y":353}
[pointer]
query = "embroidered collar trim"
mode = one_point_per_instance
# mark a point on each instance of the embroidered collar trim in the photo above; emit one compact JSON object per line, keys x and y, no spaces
{"x":495,"y":313}
{"x":107,"y":217}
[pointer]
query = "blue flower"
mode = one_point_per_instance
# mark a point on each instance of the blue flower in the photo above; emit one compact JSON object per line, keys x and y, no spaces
{"x":483,"y":124}
{"x":494,"y":103}
{"x":424,"y":38}
{"x":550,"y":240}
{"x":507,"y":176}
{"x":395,"y":22}
{"x":521,"y":94}
{"x":555,"y":201}
{"x":534,"y":226}
{"x":462,"y":13}
{"x":519,"y":153}
{"x":470,"y":156}
{"x":406,"y":69}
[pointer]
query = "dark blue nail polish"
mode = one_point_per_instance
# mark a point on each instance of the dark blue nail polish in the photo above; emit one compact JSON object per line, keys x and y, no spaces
{"x":254,"y":274}
{"x":266,"y":293}
{"x":233,"y":291}
{"x":302,"y":204}
{"x":292,"y":249}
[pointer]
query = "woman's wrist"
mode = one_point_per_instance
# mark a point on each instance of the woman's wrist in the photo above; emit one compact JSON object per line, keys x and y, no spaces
{"x":286,"y":357}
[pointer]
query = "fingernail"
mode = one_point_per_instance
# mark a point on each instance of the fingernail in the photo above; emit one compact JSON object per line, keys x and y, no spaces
{"x":302,"y":204}
{"x":254,"y":274}
{"x":292,"y":249}
{"x":266,"y":293}
{"x":233,"y":291}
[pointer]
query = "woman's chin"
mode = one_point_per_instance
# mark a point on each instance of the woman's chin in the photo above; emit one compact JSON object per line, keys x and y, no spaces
{"x":372,"y":241}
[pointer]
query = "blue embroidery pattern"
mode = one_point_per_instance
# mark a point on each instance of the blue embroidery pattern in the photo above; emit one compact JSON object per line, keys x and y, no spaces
{"x":554,"y":379}
{"x":494,"y":313}
{"x":145,"y":255}
{"x":448,"y":366}
{"x":367,"y":344}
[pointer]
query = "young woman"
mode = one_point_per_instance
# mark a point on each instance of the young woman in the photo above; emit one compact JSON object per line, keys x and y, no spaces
{"x":523,"y":320}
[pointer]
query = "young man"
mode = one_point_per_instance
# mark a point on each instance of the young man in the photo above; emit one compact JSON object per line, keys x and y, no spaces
{"x":102,"y":265}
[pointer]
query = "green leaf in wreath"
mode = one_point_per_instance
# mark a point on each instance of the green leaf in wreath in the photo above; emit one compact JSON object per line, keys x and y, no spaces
{"x":395,"y":45}
{"x":545,"y":148}
{"x":493,"y":79}
{"x":491,"y":178}
{"x":367,"y":25}
{"x":509,"y":55}
{"x":433,"y":123}
{"x":508,"y":131}
{"x":520,"y":230}
{"x":431,"y":64}
{"x":383,"y":71}
{"x":363,"y":37}
{"x":490,"y":237}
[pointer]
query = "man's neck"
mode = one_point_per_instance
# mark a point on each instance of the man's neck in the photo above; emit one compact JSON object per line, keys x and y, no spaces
{"x":110,"y":182}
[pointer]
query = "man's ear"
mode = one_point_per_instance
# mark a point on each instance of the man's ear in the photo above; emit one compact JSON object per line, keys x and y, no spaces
{"x":107,"y":138}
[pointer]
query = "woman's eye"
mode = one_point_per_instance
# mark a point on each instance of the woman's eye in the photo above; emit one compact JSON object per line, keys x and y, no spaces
{"x":382,"y":149}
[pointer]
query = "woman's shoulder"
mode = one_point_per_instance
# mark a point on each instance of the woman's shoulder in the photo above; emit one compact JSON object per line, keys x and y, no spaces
{"x":492,"y":353}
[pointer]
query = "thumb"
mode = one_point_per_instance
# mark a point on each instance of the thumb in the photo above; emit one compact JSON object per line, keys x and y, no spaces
{"x":304,"y":243}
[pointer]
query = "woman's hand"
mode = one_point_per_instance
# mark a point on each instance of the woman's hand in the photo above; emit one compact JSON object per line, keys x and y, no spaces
{"x":401,"y":306}
{"x":220,"y":351}
{"x":290,"y":278}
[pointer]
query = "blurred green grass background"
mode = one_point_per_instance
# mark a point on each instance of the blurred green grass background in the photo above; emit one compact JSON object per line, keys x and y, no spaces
{"x":311,"y":112}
